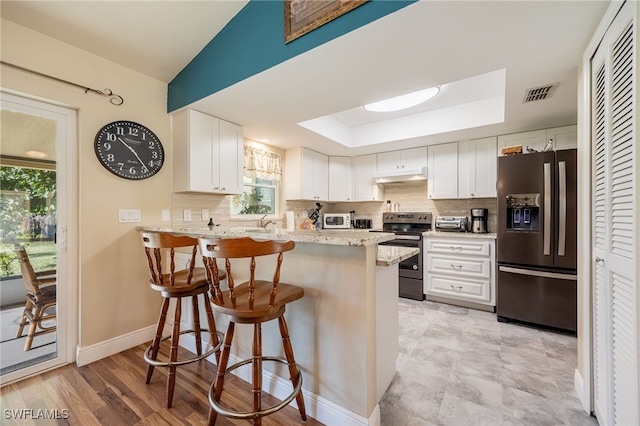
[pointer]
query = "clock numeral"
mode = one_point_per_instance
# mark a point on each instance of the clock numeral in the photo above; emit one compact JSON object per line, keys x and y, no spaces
{"x":121,"y":166}
{"x":111,"y":137}
{"x":133,"y":131}
{"x":144,"y":169}
{"x":132,"y":170}
{"x":110,"y":158}
{"x":151,"y":163}
{"x":106,"y":146}
{"x":119,"y":131}
{"x":152,"y":144}
{"x":154,"y":155}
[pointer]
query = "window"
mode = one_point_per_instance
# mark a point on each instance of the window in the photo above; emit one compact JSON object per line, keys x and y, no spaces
{"x":262,"y":174}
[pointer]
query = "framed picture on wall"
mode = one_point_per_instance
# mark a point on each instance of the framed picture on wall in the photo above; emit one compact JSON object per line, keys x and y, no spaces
{"x":302,"y":16}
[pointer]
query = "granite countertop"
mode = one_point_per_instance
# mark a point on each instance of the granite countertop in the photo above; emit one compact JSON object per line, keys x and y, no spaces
{"x":390,"y":255}
{"x":346,"y":237}
{"x":469,"y":235}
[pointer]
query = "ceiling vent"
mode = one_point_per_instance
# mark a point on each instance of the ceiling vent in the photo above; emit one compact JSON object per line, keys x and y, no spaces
{"x":539,"y":93}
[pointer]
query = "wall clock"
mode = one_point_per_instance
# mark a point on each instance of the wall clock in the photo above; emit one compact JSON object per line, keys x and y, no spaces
{"x":129,"y":150}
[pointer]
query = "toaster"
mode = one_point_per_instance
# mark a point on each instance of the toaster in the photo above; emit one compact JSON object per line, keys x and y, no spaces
{"x":452,"y":223}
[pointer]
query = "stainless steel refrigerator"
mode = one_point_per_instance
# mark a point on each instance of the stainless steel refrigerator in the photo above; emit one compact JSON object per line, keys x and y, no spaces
{"x":537,"y":234}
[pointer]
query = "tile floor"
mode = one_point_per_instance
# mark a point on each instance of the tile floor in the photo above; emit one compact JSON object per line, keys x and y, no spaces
{"x":460,"y":366}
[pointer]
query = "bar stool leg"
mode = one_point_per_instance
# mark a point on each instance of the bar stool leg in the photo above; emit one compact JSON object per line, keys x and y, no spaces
{"x":196,"y":324}
{"x":222,"y":368}
{"x":173,"y":352}
{"x":256,"y":365}
{"x":155,"y":346}
{"x":293,"y":371}
{"x":212,"y":326}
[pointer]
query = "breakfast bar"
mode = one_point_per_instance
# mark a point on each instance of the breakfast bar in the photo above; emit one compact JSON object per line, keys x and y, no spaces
{"x":344,"y":330}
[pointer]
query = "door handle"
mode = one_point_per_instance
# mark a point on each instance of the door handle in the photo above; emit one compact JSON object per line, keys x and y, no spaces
{"x":562,"y":208}
{"x":547,"y":209}
{"x":599,"y":259}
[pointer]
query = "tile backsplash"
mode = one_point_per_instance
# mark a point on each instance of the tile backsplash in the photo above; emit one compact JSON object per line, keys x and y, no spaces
{"x":410,"y":197}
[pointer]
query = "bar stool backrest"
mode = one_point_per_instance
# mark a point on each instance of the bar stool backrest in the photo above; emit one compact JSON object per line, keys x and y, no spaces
{"x":235,"y":248}
{"x":157,"y":242}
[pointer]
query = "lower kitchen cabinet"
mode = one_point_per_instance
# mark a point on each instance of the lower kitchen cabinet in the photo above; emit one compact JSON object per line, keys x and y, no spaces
{"x":460,"y":271}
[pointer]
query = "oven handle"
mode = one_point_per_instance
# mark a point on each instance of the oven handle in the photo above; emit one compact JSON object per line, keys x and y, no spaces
{"x":407,"y":237}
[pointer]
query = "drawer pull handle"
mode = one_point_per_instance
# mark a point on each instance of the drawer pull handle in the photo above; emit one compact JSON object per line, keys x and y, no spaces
{"x":458,"y":288}
{"x":456,"y":248}
{"x":456,"y":267}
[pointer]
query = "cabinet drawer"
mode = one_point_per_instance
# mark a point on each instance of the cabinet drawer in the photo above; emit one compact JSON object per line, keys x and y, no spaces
{"x":460,"y":266}
{"x":459,"y":246}
{"x":478,"y":291}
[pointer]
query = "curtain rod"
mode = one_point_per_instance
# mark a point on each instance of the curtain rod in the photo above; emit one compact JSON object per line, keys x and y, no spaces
{"x":113,"y":98}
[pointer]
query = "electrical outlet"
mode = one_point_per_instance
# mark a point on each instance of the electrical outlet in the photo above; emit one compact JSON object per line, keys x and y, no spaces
{"x":166,"y":215}
{"x":204,"y":214}
{"x":128,"y":216}
{"x":186,"y":215}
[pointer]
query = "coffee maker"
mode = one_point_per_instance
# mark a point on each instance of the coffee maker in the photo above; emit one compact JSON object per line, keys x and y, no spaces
{"x":479,"y":221}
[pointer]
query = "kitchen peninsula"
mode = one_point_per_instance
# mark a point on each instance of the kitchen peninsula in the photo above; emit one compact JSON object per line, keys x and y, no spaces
{"x":344,"y":330}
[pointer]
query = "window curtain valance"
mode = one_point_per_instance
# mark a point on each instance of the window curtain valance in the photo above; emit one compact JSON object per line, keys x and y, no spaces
{"x":262,"y":164}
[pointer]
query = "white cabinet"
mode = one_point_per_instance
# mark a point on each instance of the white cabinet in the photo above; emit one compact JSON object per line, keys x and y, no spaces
{"x":306,"y":175}
{"x":442,"y":178}
{"x":536,"y":139}
{"x":341,"y":186}
{"x":413,"y":158}
{"x":365,"y":187}
{"x":460,"y":271}
{"x":477,"y":162}
{"x":565,"y":137}
{"x":207,"y":154}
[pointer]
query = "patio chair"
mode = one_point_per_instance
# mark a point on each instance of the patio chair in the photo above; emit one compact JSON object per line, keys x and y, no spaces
{"x":41,"y":299}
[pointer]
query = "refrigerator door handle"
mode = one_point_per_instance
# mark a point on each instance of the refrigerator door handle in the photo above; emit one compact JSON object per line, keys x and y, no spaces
{"x":534,"y":273}
{"x":547,"y":209}
{"x":562,"y":207}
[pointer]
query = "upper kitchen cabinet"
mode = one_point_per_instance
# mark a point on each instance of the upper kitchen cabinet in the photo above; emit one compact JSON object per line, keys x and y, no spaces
{"x":307,"y":175}
{"x":340,"y":179}
{"x":442,"y":179}
{"x":207,"y":154}
{"x":365,"y":187}
{"x":413,"y":158}
{"x":536,"y":139}
{"x":477,"y":163}
{"x":565,"y":137}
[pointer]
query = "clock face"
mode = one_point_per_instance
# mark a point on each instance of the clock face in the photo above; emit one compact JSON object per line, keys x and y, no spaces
{"x":129,"y":150}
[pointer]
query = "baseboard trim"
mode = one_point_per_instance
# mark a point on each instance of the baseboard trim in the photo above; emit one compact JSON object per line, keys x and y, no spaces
{"x":585,"y":398}
{"x":316,"y":406}
{"x":88,"y":354}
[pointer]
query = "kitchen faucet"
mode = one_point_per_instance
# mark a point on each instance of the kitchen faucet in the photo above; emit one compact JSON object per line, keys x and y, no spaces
{"x":264,"y":223}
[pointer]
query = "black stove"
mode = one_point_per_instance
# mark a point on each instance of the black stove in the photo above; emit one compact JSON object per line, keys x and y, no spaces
{"x":408,"y":227}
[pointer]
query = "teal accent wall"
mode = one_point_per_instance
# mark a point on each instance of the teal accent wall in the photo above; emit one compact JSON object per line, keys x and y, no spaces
{"x":253,"y":41}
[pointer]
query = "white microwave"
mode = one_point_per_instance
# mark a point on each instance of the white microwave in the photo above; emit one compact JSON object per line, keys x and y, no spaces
{"x":336,"y":220}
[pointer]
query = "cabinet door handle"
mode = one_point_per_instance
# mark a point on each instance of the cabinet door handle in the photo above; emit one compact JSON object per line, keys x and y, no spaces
{"x":215,"y":188}
{"x":458,"y":288}
{"x":455,"y":248}
{"x":599,"y":259}
{"x":223,"y":188}
{"x":456,"y":267}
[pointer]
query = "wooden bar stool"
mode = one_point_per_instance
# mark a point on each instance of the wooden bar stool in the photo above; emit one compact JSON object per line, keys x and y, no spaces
{"x":252,"y":302}
{"x":189,"y":282}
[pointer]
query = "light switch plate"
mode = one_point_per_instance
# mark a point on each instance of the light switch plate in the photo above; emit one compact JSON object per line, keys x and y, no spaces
{"x":186,"y":215}
{"x":128,"y":215}
{"x":204,"y":214}
{"x":166,"y":215}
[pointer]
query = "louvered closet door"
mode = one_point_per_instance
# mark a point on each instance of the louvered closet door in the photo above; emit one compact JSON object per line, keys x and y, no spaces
{"x":614,"y":214}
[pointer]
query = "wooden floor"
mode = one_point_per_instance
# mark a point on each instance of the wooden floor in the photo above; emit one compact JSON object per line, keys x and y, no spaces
{"x":112,"y":392}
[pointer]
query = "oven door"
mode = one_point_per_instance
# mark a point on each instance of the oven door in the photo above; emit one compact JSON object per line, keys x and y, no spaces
{"x":411,"y":267}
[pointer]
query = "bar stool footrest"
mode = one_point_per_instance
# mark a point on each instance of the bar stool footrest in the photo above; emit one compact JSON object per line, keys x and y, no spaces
{"x":156,"y":363}
{"x":215,"y":405}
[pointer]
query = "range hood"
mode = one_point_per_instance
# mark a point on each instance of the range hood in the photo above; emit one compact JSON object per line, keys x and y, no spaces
{"x":400,"y":175}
